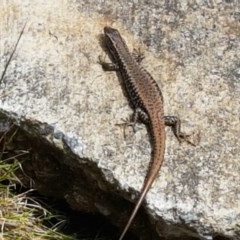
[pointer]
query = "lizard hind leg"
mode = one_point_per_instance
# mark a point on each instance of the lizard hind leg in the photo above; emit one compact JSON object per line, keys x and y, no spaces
{"x":175,"y":123}
{"x":138,"y":115}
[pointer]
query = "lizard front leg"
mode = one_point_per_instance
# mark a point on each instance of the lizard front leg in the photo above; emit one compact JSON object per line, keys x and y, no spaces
{"x":108,"y":66}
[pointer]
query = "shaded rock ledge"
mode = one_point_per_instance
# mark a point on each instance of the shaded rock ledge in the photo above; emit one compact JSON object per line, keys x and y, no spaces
{"x":66,"y":110}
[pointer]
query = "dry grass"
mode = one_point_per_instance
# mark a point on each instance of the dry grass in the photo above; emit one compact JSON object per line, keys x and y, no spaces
{"x":21,"y":216}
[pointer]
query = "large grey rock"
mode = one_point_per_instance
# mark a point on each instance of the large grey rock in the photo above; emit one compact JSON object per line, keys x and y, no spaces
{"x":67,"y":109}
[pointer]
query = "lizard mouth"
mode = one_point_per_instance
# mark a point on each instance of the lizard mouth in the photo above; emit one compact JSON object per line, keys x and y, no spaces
{"x":112,"y":33}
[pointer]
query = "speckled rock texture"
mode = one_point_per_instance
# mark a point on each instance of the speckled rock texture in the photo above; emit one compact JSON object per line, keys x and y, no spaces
{"x":67,"y":109}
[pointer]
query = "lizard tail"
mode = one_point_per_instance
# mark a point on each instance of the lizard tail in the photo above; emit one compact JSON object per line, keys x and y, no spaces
{"x":158,"y":137}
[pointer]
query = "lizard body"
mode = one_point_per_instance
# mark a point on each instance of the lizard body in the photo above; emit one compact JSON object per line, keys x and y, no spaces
{"x":147,"y":101}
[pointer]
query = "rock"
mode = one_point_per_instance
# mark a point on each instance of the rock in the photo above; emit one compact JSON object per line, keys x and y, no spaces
{"x":67,"y":110}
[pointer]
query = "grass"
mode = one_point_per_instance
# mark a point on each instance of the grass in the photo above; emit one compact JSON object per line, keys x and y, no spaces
{"x":21,"y":216}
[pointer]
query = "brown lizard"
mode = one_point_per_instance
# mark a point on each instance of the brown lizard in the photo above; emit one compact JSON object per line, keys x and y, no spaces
{"x":147,"y":102}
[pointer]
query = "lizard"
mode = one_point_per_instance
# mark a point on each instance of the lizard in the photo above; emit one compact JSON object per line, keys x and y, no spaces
{"x":146,"y":100}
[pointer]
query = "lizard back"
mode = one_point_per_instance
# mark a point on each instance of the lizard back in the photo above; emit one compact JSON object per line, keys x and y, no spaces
{"x":142,"y":89}
{"x":144,"y":94}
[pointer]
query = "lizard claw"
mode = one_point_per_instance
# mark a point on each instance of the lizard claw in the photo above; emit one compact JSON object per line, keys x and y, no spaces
{"x":185,"y":138}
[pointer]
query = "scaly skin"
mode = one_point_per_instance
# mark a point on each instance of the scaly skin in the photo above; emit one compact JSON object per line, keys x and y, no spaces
{"x":147,"y":101}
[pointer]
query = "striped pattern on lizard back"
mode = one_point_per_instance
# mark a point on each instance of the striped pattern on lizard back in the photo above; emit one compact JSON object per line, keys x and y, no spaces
{"x":146,"y":99}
